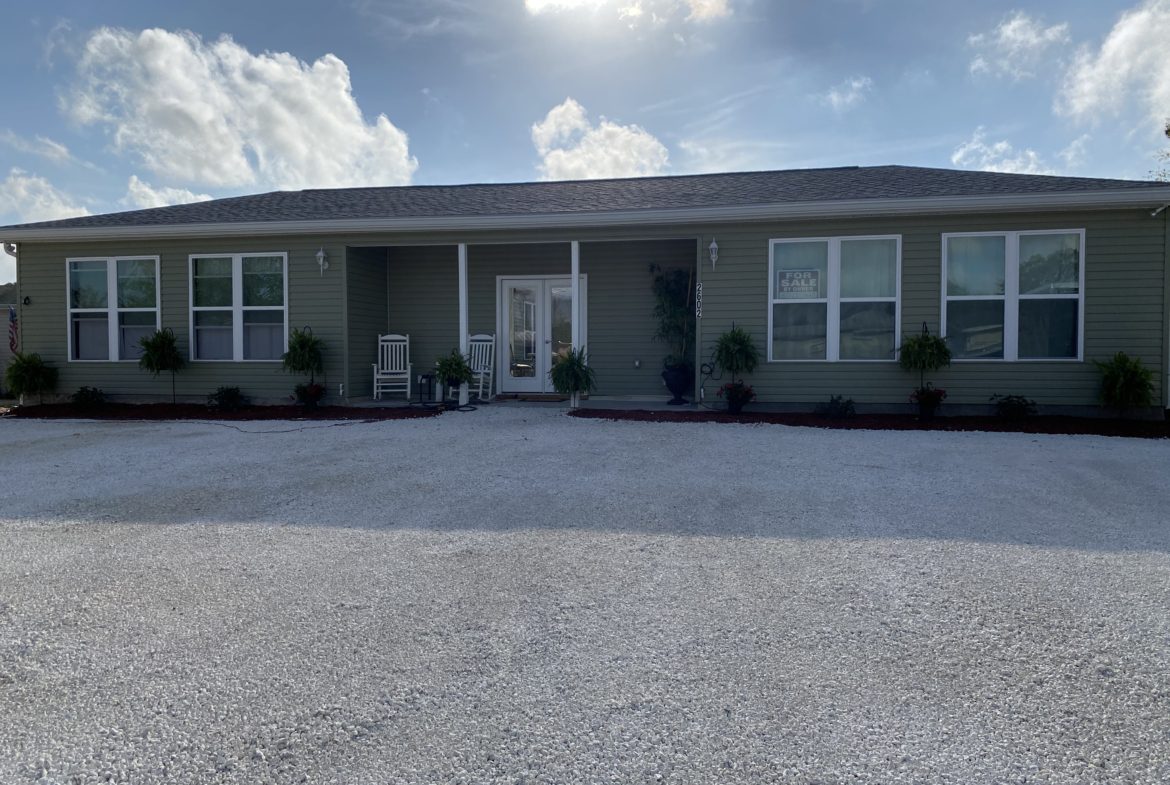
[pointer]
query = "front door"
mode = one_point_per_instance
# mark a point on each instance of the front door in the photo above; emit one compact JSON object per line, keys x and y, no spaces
{"x":536,"y":320}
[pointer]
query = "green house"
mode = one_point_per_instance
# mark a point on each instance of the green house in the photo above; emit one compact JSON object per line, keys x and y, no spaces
{"x":1029,"y":278}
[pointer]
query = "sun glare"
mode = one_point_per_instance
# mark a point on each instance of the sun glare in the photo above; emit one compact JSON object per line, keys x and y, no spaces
{"x":539,"y":6}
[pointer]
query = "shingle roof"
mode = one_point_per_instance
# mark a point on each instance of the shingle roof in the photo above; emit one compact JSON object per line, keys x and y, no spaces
{"x":599,"y":196}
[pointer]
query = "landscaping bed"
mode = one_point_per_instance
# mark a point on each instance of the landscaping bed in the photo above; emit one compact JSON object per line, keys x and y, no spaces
{"x":1143,"y":429}
{"x":195,"y":411}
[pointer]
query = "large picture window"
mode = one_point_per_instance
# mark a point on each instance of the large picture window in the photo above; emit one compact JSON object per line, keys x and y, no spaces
{"x":239,"y":307}
{"x":834,"y":298}
{"x":1014,"y":295}
{"x":113,"y":303}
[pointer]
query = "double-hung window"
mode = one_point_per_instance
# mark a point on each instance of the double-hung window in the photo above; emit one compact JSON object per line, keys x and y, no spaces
{"x":1014,"y":295}
{"x":113,"y":303}
{"x":834,"y":298}
{"x":239,"y":306}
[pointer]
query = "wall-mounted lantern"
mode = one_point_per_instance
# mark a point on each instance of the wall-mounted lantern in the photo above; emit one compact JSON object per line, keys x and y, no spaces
{"x":322,"y":260}
{"x":714,"y":249}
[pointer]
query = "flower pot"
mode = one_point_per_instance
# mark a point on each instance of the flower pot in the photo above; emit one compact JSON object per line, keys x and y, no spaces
{"x":678,"y":380}
{"x":309,"y":395}
{"x":737,"y":394}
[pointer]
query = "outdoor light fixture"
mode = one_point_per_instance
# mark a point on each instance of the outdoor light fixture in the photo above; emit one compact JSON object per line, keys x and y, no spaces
{"x":714,"y":249}
{"x":322,"y":260}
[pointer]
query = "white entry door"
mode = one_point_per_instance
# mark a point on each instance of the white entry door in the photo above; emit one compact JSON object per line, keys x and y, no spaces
{"x":536,"y":325}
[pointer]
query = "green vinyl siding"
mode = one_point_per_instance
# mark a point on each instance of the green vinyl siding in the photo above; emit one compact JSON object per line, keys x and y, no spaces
{"x":314,"y":301}
{"x":621,"y":312}
{"x":1126,"y":285}
{"x":1124,"y":261}
{"x":366,"y":311}
{"x":423,"y":297}
{"x":424,"y":300}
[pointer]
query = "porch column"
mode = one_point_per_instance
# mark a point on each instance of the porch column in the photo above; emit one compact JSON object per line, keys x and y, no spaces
{"x":464,"y":390}
{"x":575,"y":290}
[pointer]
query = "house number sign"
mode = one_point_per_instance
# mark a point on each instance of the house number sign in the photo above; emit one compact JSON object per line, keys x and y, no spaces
{"x":698,"y":299}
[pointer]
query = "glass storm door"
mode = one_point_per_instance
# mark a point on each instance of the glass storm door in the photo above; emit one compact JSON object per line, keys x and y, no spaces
{"x":537,"y":321}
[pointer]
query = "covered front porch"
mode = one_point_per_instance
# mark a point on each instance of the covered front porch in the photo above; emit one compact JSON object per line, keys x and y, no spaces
{"x":537,"y":299}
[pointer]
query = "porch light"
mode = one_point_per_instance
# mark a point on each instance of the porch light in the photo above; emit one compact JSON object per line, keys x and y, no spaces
{"x":714,"y":249}
{"x":322,"y":260}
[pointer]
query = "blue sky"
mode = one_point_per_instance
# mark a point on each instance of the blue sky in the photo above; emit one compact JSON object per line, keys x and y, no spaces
{"x":117,"y":105}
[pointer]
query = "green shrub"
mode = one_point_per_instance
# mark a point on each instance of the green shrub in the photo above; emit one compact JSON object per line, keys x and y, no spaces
{"x":1014,"y":408}
{"x":88,"y":399}
{"x":453,"y":369}
{"x":28,"y":374}
{"x":306,"y":354}
{"x":226,"y":399}
{"x":1125,"y":383}
{"x":160,"y":352}
{"x":736,"y":353}
{"x":838,"y":408}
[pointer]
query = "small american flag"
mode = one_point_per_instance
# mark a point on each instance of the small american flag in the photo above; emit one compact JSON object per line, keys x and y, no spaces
{"x":13,"y":329}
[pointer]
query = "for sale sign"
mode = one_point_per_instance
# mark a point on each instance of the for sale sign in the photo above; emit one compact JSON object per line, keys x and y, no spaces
{"x":799,"y":284}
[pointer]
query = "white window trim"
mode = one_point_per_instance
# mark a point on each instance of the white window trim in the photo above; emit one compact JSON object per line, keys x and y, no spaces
{"x":237,"y":308}
{"x":111,"y":310}
{"x":834,"y":300}
{"x":1011,"y":297}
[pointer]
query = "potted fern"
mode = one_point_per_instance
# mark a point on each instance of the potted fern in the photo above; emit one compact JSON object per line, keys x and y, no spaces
{"x":453,"y":370}
{"x":160,"y":352}
{"x":736,"y":354}
{"x":305,"y":355}
{"x":28,"y":374}
{"x":571,"y":375}
{"x":925,"y":353}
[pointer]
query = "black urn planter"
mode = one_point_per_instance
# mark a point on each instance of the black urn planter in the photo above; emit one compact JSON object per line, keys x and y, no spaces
{"x":678,"y":381}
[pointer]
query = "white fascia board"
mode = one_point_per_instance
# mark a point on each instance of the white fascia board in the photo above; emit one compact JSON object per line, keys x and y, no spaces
{"x":1148,"y":198}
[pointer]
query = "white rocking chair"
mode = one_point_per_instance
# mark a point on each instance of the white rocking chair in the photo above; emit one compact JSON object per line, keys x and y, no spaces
{"x":392,"y":371}
{"x":481,"y":356}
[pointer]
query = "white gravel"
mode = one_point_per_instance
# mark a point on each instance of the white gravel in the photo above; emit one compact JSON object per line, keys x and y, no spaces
{"x":516,"y":596}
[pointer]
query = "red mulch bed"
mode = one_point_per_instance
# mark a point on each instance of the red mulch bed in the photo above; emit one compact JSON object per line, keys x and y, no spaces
{"x":194,"y":411}
{"x":1143,"y":429}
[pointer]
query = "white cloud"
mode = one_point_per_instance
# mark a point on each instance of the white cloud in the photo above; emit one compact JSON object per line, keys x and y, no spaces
{"x":1129,"y":72}
{"x":143,"y":195}
{"x":29,"y":198}
{"x":849,"y":93}
{"x":1074,"y":155}
{"x":1017,"y":47}
{"x":407,"y":19}
{"x":573,"y":148}
{"x":40,"y":146}
{"x":1001,"y":156}
{"x":703,"y":10}
{"x":214,"y":114}
{"x":701,"y":156}
{"x":656,"y":11}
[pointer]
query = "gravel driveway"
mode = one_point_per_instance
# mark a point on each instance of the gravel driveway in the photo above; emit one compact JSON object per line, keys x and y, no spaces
{"x":516,"y":596}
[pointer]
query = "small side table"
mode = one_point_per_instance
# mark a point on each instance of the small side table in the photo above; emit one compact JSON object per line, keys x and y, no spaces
{"x":425,"y":389}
